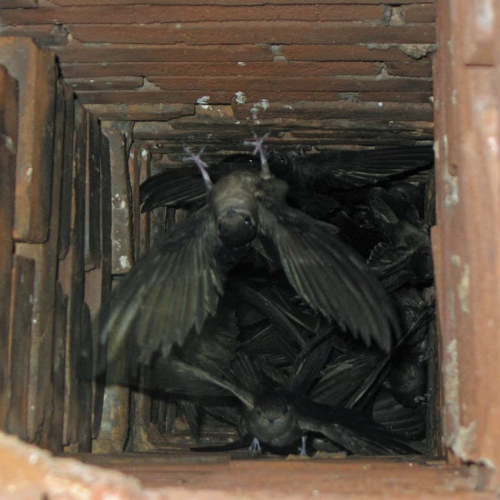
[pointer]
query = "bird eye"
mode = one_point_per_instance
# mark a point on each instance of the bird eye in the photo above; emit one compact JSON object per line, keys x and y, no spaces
{"x":248,"y":221}
{"x":285,"y":410}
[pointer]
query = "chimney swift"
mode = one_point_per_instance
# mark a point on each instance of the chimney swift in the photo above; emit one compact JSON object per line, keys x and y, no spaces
{"x":178,"y":282}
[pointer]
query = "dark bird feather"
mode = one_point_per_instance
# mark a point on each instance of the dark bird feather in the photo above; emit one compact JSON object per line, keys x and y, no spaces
{"x":177,"y":284}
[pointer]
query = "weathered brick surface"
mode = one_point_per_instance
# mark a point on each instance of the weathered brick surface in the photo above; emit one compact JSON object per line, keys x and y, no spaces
{"x":145,"y":14}
{"x":122,"y":243}
{"x":106,"y":84}
{"x":8,"y":146}
{"x":17,"y":4}
{"x":141,"y":112}
{"x":342,"y":52}
{"x":406,"y":69}
{"x":281,"y":68}
{"x":93,"y":198}
{"x":46,"y":268}
{"x":84,"y":378}
{"x":55,"y":435}
{"x":264,"y":32}
{"x":319,"y":84}
{"x":76,"y":52}
{"x":419,"y":13}
{"x":34,"y":70}
{"x":225,"y":2}
{"x":71,"y":275}
{"x":111,"y":101}
{"x":67,"y":178}
{"x":45,"y":35}
{"x":20,"y":341}
{"x":343,"y":109}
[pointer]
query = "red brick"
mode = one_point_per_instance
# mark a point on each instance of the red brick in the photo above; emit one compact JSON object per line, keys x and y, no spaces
{"x":145,"y":223}
{"x":281,"y":68}
{"x":45,"y":257}
{"x":395,"y":96}
{"x":224,"y":2}
{"x":92,"y":198}
{"x":71,"y":275}
{"x":114,"y":432}
{"x":76,"y":52}
{"x":341,"y":52}
{"x":98,"y":280}
{"x":111,"y":101}
{"x":67,"y":180}
{"x":206,"y":85}
{"x":19,"y":4}
{"x":55,"y":439}
{"x":139,"y":111}
{"x":134,"y":174}
{"x":46,"y":34}
{"x":254,"y":32}
{"x":122,"y":241}
{"x":85,"y":380}
{"x":415,"y":69}
{"x":107,"y":84}
{"x":191,"y":97}
{"x":340,"y":109}
{"x":419,"y":13}
{"x":23,"y":275}
{"x":145,"y":14}
{"x":161,"y":131}
{"x":35,"y":73}
{"x":8,"y":146}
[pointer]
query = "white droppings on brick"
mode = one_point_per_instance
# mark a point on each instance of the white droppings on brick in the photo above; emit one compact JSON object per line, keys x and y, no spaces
{"x":261,"y":105}
{"x":124,"y":262}
{"x":451,"y":198}
{"x":241,"y":63}
{"x":203,"y":100}
{"x":451,"y":389}
{"x":417,"y":50}
{"x":277,"y":53}
{"x":436,"y":150}
{"x":464,"y":441}
{"x":240,"y":97}
{"x":463,"y":289}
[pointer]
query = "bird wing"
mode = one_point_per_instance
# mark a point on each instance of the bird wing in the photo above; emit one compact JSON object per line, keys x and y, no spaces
{"x":330,"y":276}
{"x":174,"y":187}
{"x":356,"y":433}
{"x":171,"y":289}
{"x":353,"y":169}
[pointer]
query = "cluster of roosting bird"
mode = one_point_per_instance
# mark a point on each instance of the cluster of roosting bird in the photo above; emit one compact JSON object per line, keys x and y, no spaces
{"x":294,"y":301}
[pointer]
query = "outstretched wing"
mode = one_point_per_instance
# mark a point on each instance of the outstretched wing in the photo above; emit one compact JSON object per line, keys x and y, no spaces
{"x":171,"y":289}
{"x":344,"y":170}
{"x":330,"y":276}
{"x":356,"y":433}
{"x":175,"y":187}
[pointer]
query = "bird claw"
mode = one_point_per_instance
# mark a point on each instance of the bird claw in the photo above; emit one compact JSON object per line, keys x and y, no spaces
{"x":255,"y":448}
{"x":259,"y":148}
{"x":302,"y":448}
{"x":196,"y":158}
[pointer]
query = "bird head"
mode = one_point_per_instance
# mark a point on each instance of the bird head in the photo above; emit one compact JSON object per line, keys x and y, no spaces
{"x":236,"y":226}
{"x":271,"y":416}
